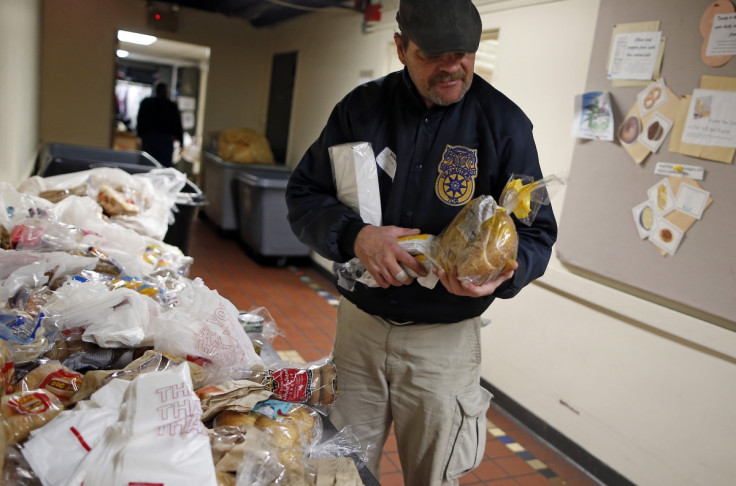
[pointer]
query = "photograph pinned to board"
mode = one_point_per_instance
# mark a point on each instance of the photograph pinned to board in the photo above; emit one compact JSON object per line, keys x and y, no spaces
{"x":654,"y":133}
{"x":593,"y":118}
{"x":661,"y":197}
{"x":649,"y":121}
{"x":673,"y":205}
{"x":718,"y":29}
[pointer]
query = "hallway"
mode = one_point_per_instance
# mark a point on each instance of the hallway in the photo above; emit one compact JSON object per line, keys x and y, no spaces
{"x":303,"y":304}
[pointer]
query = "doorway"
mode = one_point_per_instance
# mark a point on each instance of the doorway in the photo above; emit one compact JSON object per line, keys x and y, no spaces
{"x":280,"y":96}
{"x":183,"y":67}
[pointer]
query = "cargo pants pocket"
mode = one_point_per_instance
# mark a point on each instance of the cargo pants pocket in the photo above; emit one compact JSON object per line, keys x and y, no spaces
{"x":468,"y":434}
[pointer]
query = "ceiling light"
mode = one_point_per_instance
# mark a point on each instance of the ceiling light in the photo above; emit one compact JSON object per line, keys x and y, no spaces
{"x":142,"y":39}
{"x":122,"y":53}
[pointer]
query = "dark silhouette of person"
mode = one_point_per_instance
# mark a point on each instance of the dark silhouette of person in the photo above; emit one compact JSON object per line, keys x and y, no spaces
{"x":159,"y":125}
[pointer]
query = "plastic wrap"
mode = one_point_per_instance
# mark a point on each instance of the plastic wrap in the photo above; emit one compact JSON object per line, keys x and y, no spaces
{"x":143,"y":202}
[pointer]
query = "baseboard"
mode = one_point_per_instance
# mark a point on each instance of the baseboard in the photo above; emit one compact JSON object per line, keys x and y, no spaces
{"x":573,"y":451}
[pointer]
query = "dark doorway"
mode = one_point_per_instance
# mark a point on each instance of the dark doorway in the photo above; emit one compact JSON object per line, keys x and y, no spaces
{"x":279,"y":104}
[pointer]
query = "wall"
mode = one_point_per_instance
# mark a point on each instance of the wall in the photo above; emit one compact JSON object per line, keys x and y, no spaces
{"x":644,"y":389}
{"x":19,"y":79}
{"x":78,"y":42}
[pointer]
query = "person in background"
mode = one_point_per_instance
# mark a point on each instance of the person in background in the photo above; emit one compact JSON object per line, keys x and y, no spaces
{"x":159,"y":125}
{"x":406,"y":354}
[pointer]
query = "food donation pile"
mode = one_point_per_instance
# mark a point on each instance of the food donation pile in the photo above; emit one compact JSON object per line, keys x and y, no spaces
{"x":116,"y":368}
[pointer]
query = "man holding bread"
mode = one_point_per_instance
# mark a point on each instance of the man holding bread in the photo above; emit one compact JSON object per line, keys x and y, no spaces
{"x":408,"y":354}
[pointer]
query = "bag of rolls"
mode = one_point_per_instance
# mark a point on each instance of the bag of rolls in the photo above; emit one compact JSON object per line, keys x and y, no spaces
{"x":481,"y":241}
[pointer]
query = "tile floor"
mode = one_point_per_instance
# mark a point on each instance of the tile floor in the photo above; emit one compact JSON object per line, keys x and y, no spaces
{"x":303,"y":303}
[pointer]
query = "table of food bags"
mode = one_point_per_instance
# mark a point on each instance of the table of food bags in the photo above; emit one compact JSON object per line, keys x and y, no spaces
{"x":117,"y":368}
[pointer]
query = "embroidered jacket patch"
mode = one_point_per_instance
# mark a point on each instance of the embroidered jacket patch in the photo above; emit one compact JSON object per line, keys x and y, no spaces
{"x":457,"y":171}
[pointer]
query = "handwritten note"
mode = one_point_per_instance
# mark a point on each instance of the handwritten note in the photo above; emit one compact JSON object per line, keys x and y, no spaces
{"x":634,"y":55}
{"x":711,"y":119}
{"x":722,"y":41}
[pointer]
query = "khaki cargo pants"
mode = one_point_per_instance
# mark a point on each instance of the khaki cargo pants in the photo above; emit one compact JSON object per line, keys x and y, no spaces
{"x":425,"y":378}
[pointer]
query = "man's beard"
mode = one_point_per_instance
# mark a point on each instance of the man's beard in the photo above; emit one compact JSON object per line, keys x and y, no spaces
{"x":436,"y":97}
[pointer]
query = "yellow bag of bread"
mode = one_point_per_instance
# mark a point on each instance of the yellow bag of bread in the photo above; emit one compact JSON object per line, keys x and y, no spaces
{"x":245,"y":146}
{"x":481,"y":242}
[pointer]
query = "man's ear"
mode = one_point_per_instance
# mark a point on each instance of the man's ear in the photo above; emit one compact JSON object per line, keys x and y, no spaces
{"x":400,"y":49}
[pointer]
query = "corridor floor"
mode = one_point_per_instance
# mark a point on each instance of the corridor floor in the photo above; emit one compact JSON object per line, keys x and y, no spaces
{"x":303,"y":304}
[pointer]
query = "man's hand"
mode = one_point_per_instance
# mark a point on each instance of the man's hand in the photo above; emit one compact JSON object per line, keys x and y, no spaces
{"x":377,"y":248}
{"x":468,"y":289}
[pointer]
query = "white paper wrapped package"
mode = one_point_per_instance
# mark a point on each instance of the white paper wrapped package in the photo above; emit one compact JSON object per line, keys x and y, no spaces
{"x":159,"y":439}
{"x":205,"y":325}
{"x":356,"y":179}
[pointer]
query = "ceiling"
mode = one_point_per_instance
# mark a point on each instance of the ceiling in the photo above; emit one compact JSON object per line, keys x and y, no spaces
{"x":263,"y":13}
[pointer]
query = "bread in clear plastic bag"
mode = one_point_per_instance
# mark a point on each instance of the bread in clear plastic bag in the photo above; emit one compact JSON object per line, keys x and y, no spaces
{"x":481,"y":242}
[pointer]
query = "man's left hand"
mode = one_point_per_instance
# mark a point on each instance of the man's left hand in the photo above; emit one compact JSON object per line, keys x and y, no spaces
{"x":468,"y":289}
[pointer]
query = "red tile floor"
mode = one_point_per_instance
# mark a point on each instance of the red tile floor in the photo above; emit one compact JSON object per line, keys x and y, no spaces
{"x":303,"y":302}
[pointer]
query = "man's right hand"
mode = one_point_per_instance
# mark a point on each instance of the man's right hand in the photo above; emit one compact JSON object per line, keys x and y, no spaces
{"x":378,"y":249}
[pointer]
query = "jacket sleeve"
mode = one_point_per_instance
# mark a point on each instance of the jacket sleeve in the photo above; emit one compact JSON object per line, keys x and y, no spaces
{"x":535,"y":242}
{"x":315,"y":214}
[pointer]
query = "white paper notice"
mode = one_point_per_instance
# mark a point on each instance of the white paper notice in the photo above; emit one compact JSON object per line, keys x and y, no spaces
{"x":689,"y":171}
{"x":722,"y":41}
{"x":711,"y":119}
{"x":634,"y":55}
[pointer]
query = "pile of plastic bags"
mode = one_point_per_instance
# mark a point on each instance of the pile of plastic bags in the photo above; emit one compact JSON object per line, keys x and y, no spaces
{"x":110,"y":354}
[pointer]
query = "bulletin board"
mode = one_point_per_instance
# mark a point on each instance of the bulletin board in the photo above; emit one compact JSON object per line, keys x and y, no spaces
{"x":598,"y":237}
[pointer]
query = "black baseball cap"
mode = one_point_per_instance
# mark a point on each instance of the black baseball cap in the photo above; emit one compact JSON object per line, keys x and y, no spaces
{"x":439,"y":26}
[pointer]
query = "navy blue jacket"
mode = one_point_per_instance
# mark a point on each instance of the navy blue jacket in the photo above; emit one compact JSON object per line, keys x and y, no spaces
{"x":445,"y":157}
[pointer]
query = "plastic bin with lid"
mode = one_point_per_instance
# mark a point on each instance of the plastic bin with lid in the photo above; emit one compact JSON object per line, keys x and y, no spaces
{"x":262,"y":224}
{"x":59,"y":158}
{"x":218,"y":182}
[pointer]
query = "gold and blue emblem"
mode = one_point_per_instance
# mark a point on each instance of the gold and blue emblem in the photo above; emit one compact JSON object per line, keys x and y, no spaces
{"x":457,"y":171}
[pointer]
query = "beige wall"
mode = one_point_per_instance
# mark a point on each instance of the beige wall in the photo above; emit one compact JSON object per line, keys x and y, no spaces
{"x":78,"y":44}
{"x":19,"y":78}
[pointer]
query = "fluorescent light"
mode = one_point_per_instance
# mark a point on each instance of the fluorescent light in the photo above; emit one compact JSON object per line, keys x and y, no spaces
{"x":142,"y":39}
{"x":122,"y":53}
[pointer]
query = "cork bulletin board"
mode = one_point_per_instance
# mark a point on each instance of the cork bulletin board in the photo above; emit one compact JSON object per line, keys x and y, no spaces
{"x":598,"y":236}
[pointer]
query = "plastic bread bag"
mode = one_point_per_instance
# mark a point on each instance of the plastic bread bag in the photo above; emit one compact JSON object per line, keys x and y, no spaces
{"x":296,"y":424}
{"x":204,"y":325}
{"x":52,"y":376}
{"x":15,"y":206}
{"x":149,"y":361}
{"x":343,"y":444}
{"x":420,"y":246}
{"x":143,"y":202}
{"x":313,"y":383}
{"x":355,"y":174}
{"x":24,"y":411}
{"x":271,"y":458}
{"x":481,"y":242}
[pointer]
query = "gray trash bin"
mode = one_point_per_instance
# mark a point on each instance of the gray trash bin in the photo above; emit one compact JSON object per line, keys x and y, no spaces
{"x":219,"y":185}
{"x":60,"y":158}
{"x":263,"y":226}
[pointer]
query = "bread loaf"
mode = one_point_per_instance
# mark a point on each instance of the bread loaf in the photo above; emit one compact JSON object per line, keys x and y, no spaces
{"x":479,"y":244}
